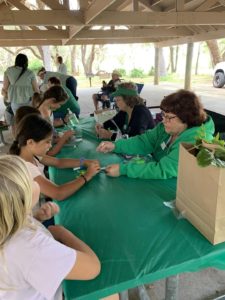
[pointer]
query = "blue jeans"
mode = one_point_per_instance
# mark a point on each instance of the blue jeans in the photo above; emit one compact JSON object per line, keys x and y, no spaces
{"x":71,"y":83}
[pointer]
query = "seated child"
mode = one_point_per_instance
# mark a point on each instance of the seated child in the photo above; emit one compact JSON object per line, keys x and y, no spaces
{"x":32,"y":141}
{"x":33,"y":260}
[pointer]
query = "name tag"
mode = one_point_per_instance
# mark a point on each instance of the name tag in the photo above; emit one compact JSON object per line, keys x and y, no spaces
{"x":163,"y":145}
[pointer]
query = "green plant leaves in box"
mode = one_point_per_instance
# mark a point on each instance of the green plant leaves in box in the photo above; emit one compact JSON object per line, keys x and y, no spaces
{"x":210,"y":152}
{"x":204,"y":157}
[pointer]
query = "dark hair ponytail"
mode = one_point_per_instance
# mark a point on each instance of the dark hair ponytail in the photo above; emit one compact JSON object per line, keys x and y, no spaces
{"x":37,"y":100}
{"x":21,"y":61}
{"x":14,"y":148}
{"x":57,"y":92}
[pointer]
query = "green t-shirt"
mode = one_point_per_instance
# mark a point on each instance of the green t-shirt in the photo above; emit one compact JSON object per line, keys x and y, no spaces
{"x":164,"y":162}
{"x":71,"y":104}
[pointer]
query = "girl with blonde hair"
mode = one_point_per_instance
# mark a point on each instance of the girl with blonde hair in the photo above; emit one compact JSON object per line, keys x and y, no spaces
{"x":34,"y":260}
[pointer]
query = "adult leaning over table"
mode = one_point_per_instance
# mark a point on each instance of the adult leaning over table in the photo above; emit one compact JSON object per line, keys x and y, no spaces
{"x":183,"y":115}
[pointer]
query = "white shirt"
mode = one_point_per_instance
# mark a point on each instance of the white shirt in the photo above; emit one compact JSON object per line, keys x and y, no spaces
{"x":62,"y":68}
{"x":33,"y":265}
{"x":35,"y":170}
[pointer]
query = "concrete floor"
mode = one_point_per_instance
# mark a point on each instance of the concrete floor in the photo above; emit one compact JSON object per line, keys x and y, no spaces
{"x":209,"y":283}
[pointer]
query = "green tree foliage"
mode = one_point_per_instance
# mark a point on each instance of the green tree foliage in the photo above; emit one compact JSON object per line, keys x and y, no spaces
{"x":35,"y":65}
{"x":137,"y":73}
{"x":122,"y":72}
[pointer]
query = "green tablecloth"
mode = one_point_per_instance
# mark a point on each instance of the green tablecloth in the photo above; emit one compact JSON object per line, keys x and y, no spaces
{"x":137,"y":238}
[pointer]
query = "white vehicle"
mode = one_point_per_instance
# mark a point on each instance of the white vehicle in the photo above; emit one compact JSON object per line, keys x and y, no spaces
{"x":219,"y":75}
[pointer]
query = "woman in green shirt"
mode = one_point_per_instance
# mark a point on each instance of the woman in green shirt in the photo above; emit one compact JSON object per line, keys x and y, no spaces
{"x":183,"y":115}
{"x":70,"y":104}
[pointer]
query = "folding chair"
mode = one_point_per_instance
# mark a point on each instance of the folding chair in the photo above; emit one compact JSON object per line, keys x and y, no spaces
{"x":219,"y":121}
{"x":156,"y":113}
{"x":139,"y":87}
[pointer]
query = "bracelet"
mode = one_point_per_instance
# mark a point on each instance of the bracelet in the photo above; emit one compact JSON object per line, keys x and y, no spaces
{"x":85,"y":179}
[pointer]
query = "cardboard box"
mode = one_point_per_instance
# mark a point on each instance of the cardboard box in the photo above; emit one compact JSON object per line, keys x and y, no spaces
{"x":201,"y":195}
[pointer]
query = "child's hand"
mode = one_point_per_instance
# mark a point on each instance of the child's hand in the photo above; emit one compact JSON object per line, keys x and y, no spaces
{"x":105,"y":147}
{"x":113,"y":170}
{"x":58,"y":122}
{"x":92,"y":170}
{"x":66,"y":118}
{"x":104,"y":134}
{"x":67,"y":135}
{"x":47,"y":211}
{"x":98,"y":127}
{"x":88,"y":162}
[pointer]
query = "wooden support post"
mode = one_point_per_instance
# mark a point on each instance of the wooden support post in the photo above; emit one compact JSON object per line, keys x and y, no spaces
{"x":187,"y":82}
{"x":156,"y":74}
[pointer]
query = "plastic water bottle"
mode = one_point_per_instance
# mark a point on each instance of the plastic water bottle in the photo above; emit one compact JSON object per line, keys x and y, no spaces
{"x":73,"y":122}
{"x":72,"y":119}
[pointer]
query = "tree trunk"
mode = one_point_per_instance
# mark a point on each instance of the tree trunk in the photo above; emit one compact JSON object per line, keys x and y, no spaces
{"x":197,"y":60}
{"x":73,"y":60}
{"x":156,"y":74}
{"x":162,"y":64}
{"x":83,"y":57}
{"x":87,"y":59}
{"x":91,"y":59}
{"x":187,"y":84}
{"x":172,"y":59}
{"x":176,"y":59}
{"x":214,"y":51}
{"x":47,"y":57}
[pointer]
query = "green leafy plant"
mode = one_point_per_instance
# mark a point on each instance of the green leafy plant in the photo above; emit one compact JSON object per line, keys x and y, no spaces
{"x":210,"y":152}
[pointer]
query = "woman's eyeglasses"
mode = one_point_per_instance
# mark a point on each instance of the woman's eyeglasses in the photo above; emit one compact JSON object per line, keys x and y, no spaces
{"x":166,"y":117}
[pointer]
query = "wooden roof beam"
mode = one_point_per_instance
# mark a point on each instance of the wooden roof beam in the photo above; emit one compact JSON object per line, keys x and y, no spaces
{"x":112,"y":41}
{"x":94,"y":9}
{"x":33,"y":34}
{"x":40,"y":17}
{"x":20,"y":6}
{"x":146,"y":4}
{"x":194,"y":38}
{"x":206,"y":5}
{"x":53,"y":4}
{"x":159,"y":18}
{"x":107,"y":18}
{"x":133,"y":33}
{"x":179,"y":5}
{"x":120,"y":5}
{"x":17,"y":43}
{"x":84,"y":4}
{"x":189,"y":6}
{"x":135,"y":5}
